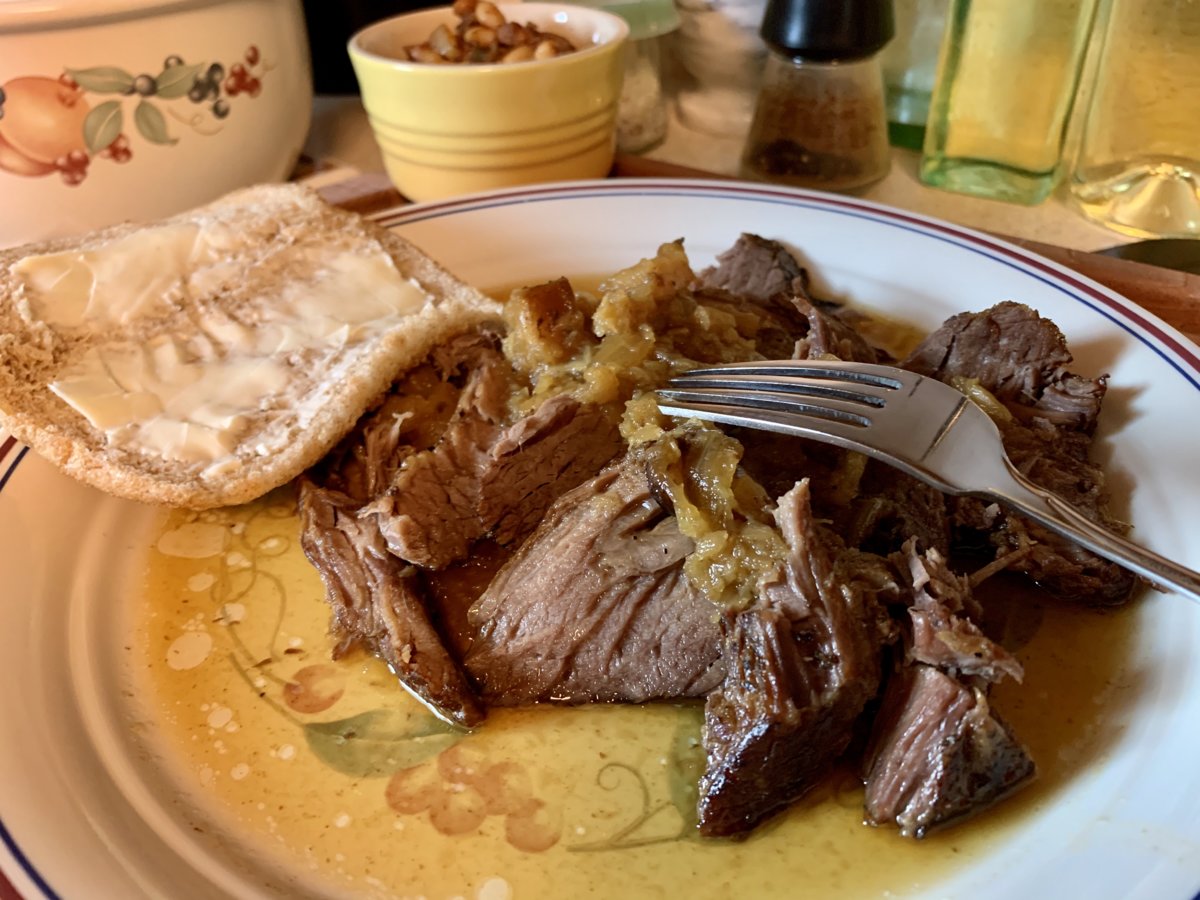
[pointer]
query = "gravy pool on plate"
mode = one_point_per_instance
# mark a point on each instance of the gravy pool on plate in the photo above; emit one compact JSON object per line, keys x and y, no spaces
{"x":340,"y":778}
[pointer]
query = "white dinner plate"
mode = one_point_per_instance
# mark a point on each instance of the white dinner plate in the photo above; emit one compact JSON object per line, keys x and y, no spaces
{"x":85,"y":815}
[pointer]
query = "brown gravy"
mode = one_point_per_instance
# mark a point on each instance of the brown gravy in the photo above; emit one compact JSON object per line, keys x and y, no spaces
{"x":582,"y":802}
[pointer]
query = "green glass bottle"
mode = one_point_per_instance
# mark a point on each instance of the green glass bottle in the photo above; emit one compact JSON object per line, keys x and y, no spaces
{"x":909,"y":66}
{"x":1007,"y":77}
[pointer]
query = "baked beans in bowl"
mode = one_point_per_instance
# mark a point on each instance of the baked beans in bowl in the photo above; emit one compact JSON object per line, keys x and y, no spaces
{"x":534,"y":100}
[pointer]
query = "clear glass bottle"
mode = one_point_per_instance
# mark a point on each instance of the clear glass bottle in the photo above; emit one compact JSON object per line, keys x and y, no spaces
{"x":1007,"y":78}
{"x":820,"y":120}
{"x":909,"y":68}
{"x":720,"y":58}
{"x":1137,"y":169}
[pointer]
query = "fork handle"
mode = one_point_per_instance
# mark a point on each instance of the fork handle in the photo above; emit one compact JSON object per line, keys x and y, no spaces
{"x":1054,"y":513}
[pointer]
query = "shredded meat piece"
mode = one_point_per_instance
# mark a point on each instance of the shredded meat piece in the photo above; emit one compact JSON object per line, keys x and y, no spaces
{"x":1021,"y":359}
{"x":944,"y":633}
{"x":376,"y":602}
{"x":941,"y":754}
{"x":802,"y":665}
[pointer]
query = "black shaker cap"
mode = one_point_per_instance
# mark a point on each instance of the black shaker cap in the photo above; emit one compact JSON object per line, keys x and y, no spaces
{"x":825,"y":30}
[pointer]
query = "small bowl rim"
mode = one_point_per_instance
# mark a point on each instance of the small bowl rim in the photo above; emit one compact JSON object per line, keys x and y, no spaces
{"x":621,"y":34}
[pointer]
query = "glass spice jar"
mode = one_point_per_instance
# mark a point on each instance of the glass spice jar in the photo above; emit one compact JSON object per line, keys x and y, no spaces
{"x":820,"y":121}
{"x":642,"y":110}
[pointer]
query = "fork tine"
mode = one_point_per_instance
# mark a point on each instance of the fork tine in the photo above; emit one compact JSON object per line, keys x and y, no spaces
{"x":757,"y":396}
{"x":786,"y":417}
{"x":826,"y":381}
{"x":833,"y":392}
{"x":858,"y":374}
{"x":852,"y":412}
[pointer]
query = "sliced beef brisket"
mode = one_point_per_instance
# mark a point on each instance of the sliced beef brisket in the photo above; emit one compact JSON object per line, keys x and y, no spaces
{"x":755,"y":269}
{"x":429,"y":514}
{"x":938,"y":752}
{"x":765,"y":273}
{"x":802,"y":664}
{"x":1020,"y":358}
{"x":487,"y":479}
{"x":944,"y":753}
{"x":539,"y":457}
{"x":376,"y":603}
{"x":595,"y":606}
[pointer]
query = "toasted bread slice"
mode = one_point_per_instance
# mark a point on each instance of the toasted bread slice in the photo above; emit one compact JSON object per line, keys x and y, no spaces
{"x":206,"y":359}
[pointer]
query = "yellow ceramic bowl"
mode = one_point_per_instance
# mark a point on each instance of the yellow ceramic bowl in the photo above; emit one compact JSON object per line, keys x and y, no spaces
{"x":454,"y":129}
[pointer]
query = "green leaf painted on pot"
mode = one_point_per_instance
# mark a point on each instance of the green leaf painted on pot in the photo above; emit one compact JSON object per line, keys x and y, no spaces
{"x":685,"y":764}
{"x":152,"y":123}
{"x":379,"y":741}
{"x":103,"y":125}
{"x":175,"y":81}
{"x":103,"y":80}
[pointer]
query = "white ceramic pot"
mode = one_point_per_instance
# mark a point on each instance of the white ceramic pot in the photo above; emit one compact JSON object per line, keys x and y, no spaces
{"x":135,"y":109}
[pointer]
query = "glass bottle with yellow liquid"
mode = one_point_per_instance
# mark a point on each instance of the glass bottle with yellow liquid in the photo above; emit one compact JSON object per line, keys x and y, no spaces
{"x":1138,"y":164}
{"x":1007,"y":76}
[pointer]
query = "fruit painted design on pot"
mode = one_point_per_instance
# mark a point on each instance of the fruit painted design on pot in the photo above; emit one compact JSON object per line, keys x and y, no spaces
{"x":64,"y":124}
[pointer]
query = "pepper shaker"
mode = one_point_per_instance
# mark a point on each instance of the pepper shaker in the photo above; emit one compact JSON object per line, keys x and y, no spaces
{"x":820,"y":121}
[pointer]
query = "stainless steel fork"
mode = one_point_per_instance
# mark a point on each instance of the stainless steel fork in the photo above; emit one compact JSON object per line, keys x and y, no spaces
{"x":917,"y":424}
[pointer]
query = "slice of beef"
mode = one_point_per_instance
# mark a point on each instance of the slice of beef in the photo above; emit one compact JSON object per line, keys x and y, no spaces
{"x":484,"y":478}
{"x":1019,"y":356}
{"x":538,"y":458}
{"x":889,"y":508}
{"x":827,"y":335}
{"x":428,"y":515}
{"x":802,"y":664}
{"x":756,"y":269}
{"x":765,"y":273}
{"x":594,"y":606}
{"x":944,"y":630}
{"x":376,"y":603}
{"x":1056,"y":459}
{"x":940,"y":753}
